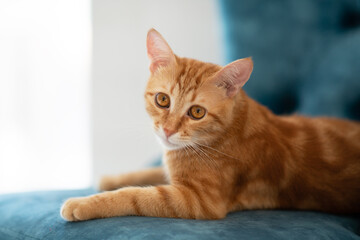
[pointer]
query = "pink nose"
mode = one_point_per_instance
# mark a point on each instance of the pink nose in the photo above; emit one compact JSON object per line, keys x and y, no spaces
{"x":168,"y":132}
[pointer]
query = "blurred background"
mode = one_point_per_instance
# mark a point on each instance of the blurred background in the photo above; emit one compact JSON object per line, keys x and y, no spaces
{"x":73,"y":72}
{"x":72,"y":78}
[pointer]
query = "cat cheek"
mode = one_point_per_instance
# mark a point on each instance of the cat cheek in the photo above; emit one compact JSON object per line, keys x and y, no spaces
{"x":185,"y":134}
{"x":156,"y":126}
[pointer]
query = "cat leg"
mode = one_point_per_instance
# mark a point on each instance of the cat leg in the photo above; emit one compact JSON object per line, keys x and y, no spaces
{"x":157,"y":201}
{"x":152,"y":176}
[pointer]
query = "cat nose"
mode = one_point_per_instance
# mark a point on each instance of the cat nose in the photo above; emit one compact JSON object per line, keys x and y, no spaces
{"x":168,"y":132}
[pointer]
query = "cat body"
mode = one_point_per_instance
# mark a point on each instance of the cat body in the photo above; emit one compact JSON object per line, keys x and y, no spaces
{"x":281,"y":162}
{"x":225,"y":152}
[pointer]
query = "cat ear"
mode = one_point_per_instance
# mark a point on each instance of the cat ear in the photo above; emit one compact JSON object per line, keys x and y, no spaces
{"x":233,"y":76}
{"x":158,"y":50}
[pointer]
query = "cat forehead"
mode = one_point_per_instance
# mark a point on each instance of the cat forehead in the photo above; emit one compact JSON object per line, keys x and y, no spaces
{"x":185,"y":81}
{"x":189,"y":75}
{"x":188,"y":70}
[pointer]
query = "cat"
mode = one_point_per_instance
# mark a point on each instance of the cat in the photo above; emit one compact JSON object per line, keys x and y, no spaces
{"x":225,"y":152}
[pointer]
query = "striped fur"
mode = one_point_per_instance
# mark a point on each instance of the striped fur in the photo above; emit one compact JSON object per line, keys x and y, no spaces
{"x":239,"y":156}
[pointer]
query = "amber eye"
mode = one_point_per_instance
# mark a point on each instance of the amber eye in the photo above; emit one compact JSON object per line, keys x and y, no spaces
{"x":197,"y":112}
{"x":162,"y":100}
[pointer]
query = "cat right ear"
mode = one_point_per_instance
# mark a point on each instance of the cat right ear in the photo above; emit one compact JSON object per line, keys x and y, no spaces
{"x":233,"y":76}
{"x":158,"y":50}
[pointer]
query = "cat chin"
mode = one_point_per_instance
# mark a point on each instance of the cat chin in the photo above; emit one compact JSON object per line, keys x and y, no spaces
{"x":168,"y":145}
{"x":171,"y":147}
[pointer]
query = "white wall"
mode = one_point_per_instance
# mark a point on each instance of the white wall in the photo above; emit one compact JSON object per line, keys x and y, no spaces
{"x":45,"y":48}
{"x":123,"y":138}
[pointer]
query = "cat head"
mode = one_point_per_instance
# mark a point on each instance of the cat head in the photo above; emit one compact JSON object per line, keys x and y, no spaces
{"x":190,"y":102}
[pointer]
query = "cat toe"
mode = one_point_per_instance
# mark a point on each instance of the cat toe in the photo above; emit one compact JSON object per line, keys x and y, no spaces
{"x":75,"y":209}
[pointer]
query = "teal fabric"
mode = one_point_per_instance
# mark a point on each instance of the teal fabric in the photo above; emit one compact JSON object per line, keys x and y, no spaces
{"x":36,"y":216}
{"x":306,"y":53}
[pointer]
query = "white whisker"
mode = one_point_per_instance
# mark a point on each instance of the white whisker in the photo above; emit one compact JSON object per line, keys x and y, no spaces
{"x":215,"y":150}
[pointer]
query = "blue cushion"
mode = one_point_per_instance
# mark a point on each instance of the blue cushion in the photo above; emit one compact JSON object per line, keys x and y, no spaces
{"x":306,"y":53}
{"x":36,"y":216}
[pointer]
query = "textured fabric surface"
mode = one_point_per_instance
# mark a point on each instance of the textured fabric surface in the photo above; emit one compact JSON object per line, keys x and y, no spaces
{"x":306,"y":53}
{"x":36,"y":216}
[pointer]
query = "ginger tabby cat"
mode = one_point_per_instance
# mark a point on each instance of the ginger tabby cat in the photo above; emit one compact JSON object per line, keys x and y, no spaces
{"x":225,"y":152}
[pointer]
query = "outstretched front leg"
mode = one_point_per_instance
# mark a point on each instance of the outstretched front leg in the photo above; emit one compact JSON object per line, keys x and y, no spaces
{"x":147,"y":177}
{"x":175,"y":201}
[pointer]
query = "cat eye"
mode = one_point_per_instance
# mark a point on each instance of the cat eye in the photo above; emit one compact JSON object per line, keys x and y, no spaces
{"x":196,"y":112}
{"x":162,"y":100}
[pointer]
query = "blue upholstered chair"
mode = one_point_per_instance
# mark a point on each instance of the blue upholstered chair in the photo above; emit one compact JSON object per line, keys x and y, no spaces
{"x":307,"y":60}
{"x":36,"y":216}
{"x":306,"y":53}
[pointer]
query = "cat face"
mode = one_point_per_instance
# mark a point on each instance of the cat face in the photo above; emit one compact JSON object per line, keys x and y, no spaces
{"x":189,"y":101}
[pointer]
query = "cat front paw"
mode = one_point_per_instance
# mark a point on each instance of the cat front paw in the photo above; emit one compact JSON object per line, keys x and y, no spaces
{"x":78,"y":209}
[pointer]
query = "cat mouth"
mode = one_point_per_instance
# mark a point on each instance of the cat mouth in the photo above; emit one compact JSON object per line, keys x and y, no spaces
{"x":167,"y":144}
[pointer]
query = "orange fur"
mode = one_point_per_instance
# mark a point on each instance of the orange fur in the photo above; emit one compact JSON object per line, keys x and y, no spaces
{"x":239,"y":156}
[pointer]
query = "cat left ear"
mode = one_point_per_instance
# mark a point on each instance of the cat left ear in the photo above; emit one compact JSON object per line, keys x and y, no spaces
{"x":233,"y":76}
{"x":158,"y":50}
